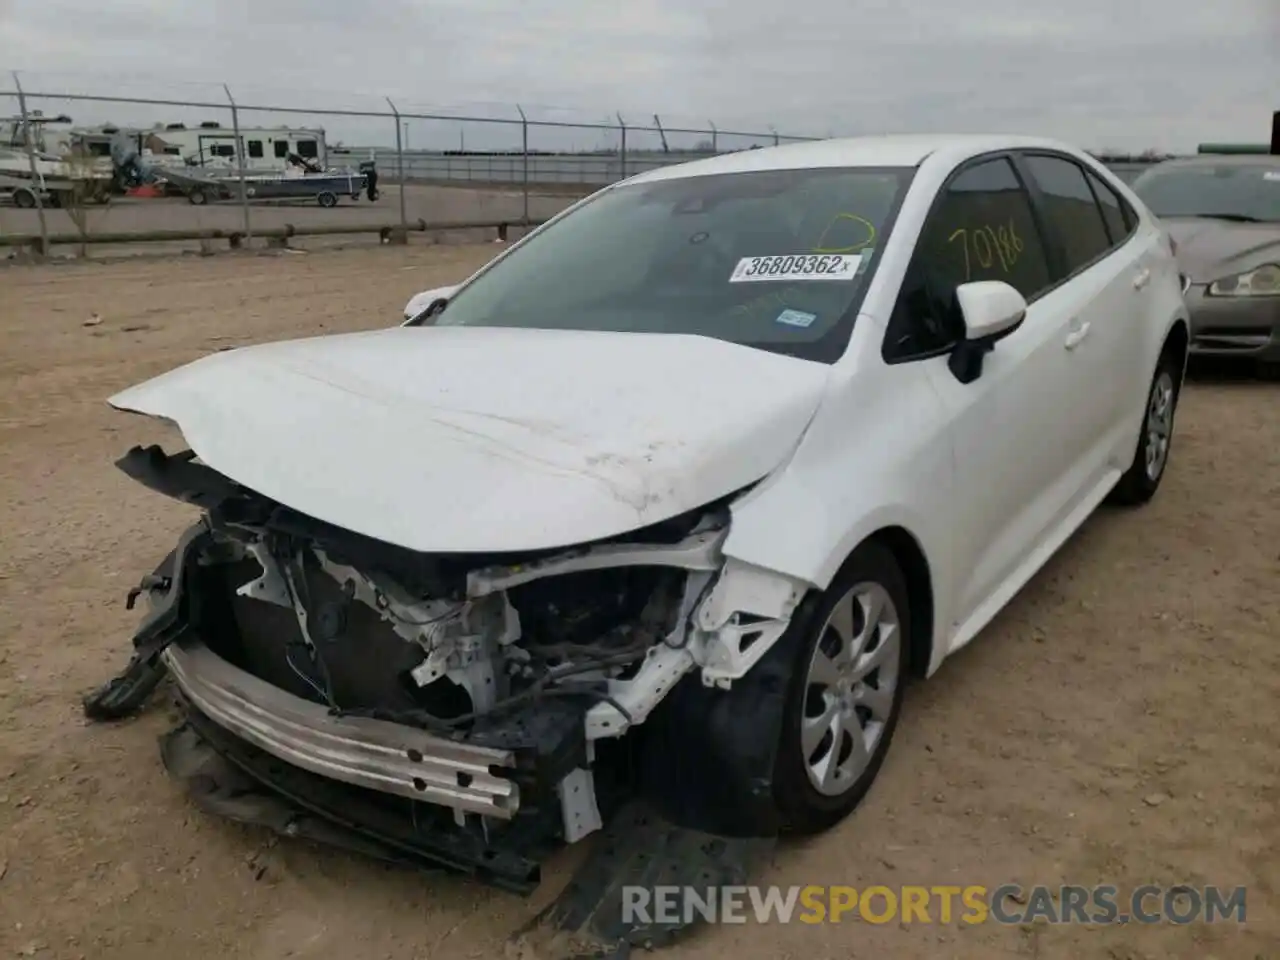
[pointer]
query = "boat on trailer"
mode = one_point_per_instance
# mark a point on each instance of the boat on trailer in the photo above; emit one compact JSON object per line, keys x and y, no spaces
{"x":302,"y":179}
{"x":325,"y":188}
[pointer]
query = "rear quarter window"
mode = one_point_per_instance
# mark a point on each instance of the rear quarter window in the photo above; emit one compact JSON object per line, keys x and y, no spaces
{"x":1119,"y":216}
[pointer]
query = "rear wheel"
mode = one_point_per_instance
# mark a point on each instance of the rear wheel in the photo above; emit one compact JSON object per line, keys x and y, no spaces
{"x":327,"y":199}
{"x":24,"y":199}
{"x":1151,"y":457}
{"x":198,"y":197}
{"x":845,"y":693}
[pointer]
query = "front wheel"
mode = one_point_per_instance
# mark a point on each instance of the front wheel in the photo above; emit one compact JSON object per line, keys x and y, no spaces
{"x":327,"y":199}
{"x":1151,"y":457}
{"x":845,"y":692}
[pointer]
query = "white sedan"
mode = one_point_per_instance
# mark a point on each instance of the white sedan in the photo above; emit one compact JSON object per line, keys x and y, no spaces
{"x":669,"y":499}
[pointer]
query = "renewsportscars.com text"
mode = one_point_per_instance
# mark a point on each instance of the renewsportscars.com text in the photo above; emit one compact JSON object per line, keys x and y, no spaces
{"x":973,"y":904}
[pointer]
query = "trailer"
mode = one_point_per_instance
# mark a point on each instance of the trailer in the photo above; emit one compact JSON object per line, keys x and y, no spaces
{"x":54,"y":183}
{"x":23,"y":194}
{"x":259,"y":149}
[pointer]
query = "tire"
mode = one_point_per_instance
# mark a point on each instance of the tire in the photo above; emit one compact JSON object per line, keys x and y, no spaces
{"x":24,"y":199}
{"x":1155,"y":440}
{"x":808,"y":803}
{"x":198,"y":197}
{"x":327,"y":199}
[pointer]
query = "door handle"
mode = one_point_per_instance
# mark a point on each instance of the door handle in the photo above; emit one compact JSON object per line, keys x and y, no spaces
{"x":1142,"y":279}
{"x":1076,"y":336}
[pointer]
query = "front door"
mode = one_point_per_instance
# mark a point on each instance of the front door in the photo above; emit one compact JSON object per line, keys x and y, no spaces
{"x":1012,"y":434}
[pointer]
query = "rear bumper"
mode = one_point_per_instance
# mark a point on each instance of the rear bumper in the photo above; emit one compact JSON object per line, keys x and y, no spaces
{"x":373,"y":754}
{"x":1234,"y":327}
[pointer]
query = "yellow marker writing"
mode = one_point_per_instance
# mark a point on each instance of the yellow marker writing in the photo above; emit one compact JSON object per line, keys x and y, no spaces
{"x":853,"y":248}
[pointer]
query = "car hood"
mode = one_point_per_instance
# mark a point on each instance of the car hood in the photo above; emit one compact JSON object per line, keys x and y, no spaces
{"x":453,"y":439}
{"x":1210,"y":249}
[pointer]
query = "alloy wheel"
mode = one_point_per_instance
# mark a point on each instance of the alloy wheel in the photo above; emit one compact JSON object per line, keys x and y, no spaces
{"x":850,"y":688}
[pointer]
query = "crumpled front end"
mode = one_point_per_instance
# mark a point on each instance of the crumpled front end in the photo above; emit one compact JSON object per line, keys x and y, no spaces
{"x":471,"y":711}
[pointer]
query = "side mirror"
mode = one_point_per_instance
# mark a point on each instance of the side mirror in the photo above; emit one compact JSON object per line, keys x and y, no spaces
{"x":991,"y":310}
{"x":428,"y":302}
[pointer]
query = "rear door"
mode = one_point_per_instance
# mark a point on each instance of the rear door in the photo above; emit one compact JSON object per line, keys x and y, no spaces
{"x":1101,"y":285}
{"x":1158,"y":285}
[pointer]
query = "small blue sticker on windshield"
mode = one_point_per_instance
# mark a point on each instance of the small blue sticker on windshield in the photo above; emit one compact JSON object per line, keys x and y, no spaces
{"x":796,"y":318}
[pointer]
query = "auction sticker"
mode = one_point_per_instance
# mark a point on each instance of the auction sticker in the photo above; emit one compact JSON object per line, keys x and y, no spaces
{"x":801,"y":266}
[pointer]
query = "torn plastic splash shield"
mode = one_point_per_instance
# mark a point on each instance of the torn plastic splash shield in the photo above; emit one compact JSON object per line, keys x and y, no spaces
{"x":166,"y":622}
{"x":638,"y":849}
{"x":641,"y":851}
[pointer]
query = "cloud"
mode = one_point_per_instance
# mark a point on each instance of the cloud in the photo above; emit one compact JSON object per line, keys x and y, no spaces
{"x":1124,"y":73}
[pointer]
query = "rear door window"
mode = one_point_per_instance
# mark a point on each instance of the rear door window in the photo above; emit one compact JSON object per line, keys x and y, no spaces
{"x":1071,"y":211}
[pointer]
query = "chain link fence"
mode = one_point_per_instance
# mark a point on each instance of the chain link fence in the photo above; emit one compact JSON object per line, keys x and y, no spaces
{"x":215,"y":165}
{"x":220,"y":163}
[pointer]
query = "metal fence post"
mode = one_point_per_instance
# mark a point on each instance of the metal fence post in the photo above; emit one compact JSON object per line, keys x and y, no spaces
{"x":244,"y":189}
{"x":662,"y":134}
{"x":715,"y":137}
{"x":775,"y":136}
{"x":622,"y":156}
{"x":404,"y":218}
{"x":37,"y":181}
{"x":524,"y":152}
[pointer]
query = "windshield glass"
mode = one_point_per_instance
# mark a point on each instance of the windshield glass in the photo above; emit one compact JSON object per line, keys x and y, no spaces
{"x":1245,"y":191}
{"x":776,"y":260}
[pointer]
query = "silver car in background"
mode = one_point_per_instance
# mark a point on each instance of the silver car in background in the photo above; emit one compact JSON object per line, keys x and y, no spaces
{"x":1223,"y":213}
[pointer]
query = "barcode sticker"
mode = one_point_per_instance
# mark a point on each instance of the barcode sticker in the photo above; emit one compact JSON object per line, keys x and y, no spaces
{"x":802,"y":266}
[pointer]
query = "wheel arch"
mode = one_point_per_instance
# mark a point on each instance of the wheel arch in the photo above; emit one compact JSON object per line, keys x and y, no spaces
{"x":913,"y":562}
{"x":1177,"y":342}
{"x":915,"y":533}
{"x":707,"y":757}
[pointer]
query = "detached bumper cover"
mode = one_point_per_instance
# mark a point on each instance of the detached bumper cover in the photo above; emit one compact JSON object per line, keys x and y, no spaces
{"x":366,"y":753}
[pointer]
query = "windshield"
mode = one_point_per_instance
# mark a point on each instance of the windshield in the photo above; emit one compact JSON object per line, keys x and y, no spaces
{"x":776,"y":260}
{"x":1234,"y":191}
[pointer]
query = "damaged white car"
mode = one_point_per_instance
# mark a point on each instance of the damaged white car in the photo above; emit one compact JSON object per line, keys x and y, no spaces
{"x":667,"y":501}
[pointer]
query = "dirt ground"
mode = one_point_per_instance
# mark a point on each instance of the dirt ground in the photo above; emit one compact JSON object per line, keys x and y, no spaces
{"x":1117,"y":724}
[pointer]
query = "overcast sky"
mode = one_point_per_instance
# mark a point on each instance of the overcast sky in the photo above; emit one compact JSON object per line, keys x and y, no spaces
{"x":1113,"y":73}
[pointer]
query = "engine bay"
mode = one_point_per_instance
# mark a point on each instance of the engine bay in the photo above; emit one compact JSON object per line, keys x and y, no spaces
{"x":441,"y":641}
{"x":362,"y":643}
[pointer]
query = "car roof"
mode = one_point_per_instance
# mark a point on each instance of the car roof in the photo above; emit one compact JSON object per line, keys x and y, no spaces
{"x":899,"y":150}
